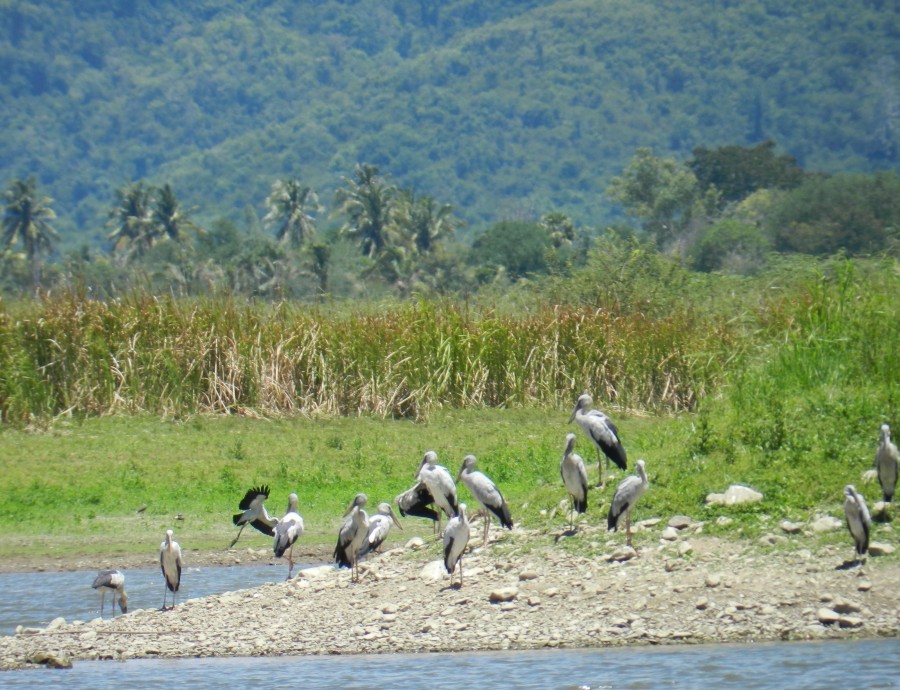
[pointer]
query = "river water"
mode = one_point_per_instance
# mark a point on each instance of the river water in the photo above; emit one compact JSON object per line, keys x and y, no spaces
{"x":35,"y":599}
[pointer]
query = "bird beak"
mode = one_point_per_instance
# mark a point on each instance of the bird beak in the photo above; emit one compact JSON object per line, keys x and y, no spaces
{"x":396,"y":521}
{"x":459,"y":476}
{"x":419,"y":470}
{"x":574,"y":412}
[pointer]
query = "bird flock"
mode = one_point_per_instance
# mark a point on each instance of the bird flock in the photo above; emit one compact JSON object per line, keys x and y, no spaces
{"x":434,"y":496}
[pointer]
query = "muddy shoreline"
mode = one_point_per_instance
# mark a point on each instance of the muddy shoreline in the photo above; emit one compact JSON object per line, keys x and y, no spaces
{"x":525,"y":591}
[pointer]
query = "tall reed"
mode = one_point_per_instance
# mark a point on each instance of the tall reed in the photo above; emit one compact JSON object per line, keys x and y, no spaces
{"x":68,"y":354}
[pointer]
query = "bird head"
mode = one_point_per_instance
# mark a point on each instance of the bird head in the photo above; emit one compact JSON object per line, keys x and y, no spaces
{"x":584,"y":402}
{"x":385,"y":509}
{"x":468,"y":465}
{"x":123,"y":602}
{"x":570,"y":444}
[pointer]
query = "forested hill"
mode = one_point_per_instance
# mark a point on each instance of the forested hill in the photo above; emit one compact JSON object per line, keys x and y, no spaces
{"x":502,"y":109}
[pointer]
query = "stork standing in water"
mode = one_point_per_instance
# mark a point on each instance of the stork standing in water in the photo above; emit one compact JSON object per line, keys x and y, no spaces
{"x":287,"y":531}
{"x":886,"y":464}
{"x":628,"y":492}
{"x":456,"y":537}
{"x":379,"y":527}
{"x":602,"y":432}
{"x":351,"y":537}
{"x":170,"y":563}
{"x":111,"y":581}
{"x":254,"y":513}
{"x":858,"y":521}
{"x":486,"y":493}
{"x":574,"y":476}
{"x":416,"y":502}
{"x":439,"y":482}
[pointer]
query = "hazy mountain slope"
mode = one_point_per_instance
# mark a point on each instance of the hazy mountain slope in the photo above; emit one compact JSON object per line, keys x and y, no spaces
{"x":502,"y":109}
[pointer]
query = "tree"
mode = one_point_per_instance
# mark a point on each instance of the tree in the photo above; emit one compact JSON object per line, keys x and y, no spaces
{"x":560,"y":229}
{"x":319,"y":266}
{"x":659,"y":191}
{"x":26,"y":218}
{"x":167,"y":216}
{"x":518,"y":246}
{"x":292,"y":208}
{"x":369,"y":204}
{"x":738,"y":171}
{"x":426,"y":222}
{"x":131,"y":220}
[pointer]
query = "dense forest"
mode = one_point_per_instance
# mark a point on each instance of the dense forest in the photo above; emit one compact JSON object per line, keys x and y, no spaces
{"x":499,"y":108}
{"x":300,"y":149}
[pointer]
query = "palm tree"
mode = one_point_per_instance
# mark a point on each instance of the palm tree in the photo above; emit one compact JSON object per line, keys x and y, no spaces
{"x":320,"y":260}
{"x":167,"y":216}
{"x":425,"y":221}
{"x":369,"y":203}
{"x":26,"y":217}
{"x":132,"y":220}
{"x":292,"y":208}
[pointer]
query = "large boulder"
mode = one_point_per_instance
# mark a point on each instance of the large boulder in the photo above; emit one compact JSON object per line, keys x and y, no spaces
{"x":734,"y":495}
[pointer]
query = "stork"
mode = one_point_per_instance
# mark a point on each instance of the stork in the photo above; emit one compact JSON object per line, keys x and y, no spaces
{"x":379,"y":527}
{"x":627,"y":493}
{"x":254,"y":513}
{"x":486,"y":493}
{"x":111,"y":581}
{"x":439,"y":482}
{"x":574,"y":476}
{"x":858,"y":521}
{"x":602,"y":432}
{"x":415,"y":501}
{"x":170,"y":563}
{"x":886,"y":464}
{"x":288,"y":530}
{"x":456,"y":537}
{"x":351,"y":537}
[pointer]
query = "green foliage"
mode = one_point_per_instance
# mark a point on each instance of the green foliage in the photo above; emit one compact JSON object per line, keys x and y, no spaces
{"x":737,"y":171}
{"x":730,"y":244}
{"x":859,"y":214}
{"x":519,"y":247}
{"x":492,"y":107}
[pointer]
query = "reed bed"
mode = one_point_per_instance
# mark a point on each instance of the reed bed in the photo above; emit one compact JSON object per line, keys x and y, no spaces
{"x":70,"y":355}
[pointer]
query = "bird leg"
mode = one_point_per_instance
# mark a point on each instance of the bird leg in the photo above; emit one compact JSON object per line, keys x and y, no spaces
{"x":290,"y":562}
{"x":487,"y":527}
{"x":460,"y":572}
{"x":238,"y":535}
{"x":103,"y":601}
{"x":602,"y":482}
{"x":114,"y":604}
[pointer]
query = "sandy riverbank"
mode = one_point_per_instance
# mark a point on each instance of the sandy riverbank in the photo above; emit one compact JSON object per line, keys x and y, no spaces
{"x":524,"y":592}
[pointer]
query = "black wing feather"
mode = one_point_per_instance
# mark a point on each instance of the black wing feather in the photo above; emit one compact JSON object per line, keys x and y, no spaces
{"x":250,"y":495}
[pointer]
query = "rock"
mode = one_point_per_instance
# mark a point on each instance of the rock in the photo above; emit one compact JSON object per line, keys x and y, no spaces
{"x":702,"y":604}
{"x":713,"y":580}
{"x":826,"y":523}
{"x":416,"y":543}
{"x":684,"y":548}
{"x":623,"y":554}
{"x":864,"y":586}
{"x":669,"y":534}
{"x":680,"y":522}
{"x":846,"y":606}
{"x":850,"y":622}
{"x":880,"y":511}
{"x":791,"y":527}
{"x":827,"y":616}
{"x":736,"y":494}
{"x":529,"y":574}
{"x":503,"y":594}
{"x":318,"y":571}
{"x":56,"y":623}
{"x":433,"y":570}
{"x":534,"y":601}
{"x":51,"y":660}
{"x":880,"y":549}
{"x":772,"y":539}
{"x":648,"y":523}
{"x":388,"y":609}
{"x":724,"y":521}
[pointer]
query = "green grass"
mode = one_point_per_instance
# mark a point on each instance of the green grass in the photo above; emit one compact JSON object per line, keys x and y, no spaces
{"x":77,"y":485}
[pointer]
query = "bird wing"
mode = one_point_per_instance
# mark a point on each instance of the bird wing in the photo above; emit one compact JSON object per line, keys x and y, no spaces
{"x":261,"y":492}
{"x":626,"y":494}
{"x":266,"y":527}
{"x":605,"y":434}
{"x":379,"y":526}
{"x":104,"y":579}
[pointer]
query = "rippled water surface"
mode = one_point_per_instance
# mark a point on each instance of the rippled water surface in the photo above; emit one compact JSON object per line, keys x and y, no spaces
{"x":35,"y":599}
{"x":859,"y":664}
